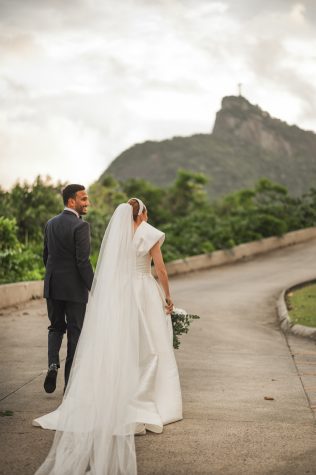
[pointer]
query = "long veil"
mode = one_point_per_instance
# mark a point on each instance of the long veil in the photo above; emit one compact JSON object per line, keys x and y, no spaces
{"x":96,"y":423}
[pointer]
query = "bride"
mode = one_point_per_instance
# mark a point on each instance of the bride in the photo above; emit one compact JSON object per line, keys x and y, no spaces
{"x":124,"y":379}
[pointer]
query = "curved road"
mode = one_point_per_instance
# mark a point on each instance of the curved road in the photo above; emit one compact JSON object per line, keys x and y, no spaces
{"x":233,"y":357}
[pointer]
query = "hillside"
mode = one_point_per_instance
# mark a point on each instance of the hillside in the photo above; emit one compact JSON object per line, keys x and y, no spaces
{"x":246,"y":144}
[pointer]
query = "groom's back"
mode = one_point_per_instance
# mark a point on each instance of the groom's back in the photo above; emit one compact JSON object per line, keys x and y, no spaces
{"x":60,"y":232}
{"x":66,"y":257}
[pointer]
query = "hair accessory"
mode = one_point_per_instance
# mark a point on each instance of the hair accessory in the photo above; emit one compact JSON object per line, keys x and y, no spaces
{"x":141,"y":205}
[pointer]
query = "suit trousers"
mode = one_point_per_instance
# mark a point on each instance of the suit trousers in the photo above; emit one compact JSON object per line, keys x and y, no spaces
{"x":64,"y":316}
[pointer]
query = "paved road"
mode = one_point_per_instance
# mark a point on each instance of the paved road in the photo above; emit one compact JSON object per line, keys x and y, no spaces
{"x":232,"y":358}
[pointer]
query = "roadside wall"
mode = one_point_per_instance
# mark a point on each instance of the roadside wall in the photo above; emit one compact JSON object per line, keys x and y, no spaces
{"x":250,"y":249}
{"x":13,"y":294}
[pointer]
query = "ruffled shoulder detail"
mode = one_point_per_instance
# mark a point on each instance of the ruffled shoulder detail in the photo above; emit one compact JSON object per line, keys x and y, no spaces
{"x":146,"y":236}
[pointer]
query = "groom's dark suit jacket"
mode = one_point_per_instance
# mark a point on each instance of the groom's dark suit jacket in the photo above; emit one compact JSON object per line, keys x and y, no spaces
{"x":69,"y":273}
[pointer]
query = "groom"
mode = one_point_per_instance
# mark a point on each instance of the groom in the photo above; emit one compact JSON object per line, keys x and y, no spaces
{"x":68,"y":278}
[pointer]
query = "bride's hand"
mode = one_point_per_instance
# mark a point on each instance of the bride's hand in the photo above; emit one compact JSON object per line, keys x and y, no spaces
{"x":169,"y":306}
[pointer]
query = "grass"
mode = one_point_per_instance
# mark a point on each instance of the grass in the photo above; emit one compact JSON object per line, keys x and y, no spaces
{"x":301,"y":305}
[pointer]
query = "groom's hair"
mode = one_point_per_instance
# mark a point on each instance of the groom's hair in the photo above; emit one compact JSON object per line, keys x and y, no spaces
{"x":70,"y":192}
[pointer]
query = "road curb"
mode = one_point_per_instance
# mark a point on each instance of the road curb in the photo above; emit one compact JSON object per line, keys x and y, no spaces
{"x":286,"y":323}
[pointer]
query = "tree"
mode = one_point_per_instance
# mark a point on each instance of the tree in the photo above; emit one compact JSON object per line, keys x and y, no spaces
{"x":32,"y":205}
{"x":187,"y":194}
{"x":16,"y":261}
{"x":104,"y":196}
{"x":153,"y":197}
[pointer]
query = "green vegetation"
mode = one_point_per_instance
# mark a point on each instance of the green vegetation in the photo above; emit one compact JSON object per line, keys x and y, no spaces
{"x":192,"y":222}
{"x":25,"y":210}
{"x":16,"y":260}
{"x":302,"y":305}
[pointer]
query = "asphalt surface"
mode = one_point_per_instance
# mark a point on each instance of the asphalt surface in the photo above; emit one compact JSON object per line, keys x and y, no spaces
{"x":232,"y":358}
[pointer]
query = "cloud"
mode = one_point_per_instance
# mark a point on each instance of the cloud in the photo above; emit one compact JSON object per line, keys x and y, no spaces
{"x":88,"y":79}
{"x":57,"y":147}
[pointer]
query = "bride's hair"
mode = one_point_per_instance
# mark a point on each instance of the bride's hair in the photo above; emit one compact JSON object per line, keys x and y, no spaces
{"x":135,"y":205}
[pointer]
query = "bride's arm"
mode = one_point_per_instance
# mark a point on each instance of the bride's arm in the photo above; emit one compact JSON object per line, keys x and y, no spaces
{"x":162,"y":274}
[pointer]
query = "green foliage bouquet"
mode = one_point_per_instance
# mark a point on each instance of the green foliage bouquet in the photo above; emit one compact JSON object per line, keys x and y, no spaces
{"x":181,"y":321}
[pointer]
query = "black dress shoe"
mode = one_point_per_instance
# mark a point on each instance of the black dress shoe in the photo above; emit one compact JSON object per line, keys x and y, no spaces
{"x":50,"y":380}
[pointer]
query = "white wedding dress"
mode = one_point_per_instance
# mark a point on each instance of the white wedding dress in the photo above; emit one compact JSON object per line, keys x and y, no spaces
{"x":160,"y":380}
{"x":124,"y":375}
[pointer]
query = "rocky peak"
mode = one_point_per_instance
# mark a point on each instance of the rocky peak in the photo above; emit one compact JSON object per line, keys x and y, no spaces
{"x":239,"y":118}
{"x":239,"y":103}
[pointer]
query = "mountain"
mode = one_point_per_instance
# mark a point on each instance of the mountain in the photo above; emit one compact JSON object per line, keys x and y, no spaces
{"x":246,"y":144}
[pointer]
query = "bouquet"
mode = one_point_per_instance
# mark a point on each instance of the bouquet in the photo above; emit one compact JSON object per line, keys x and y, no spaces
{"x":181,"y":321}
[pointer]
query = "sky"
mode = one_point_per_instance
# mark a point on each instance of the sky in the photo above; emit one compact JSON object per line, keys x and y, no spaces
{"x":82,"y":80}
